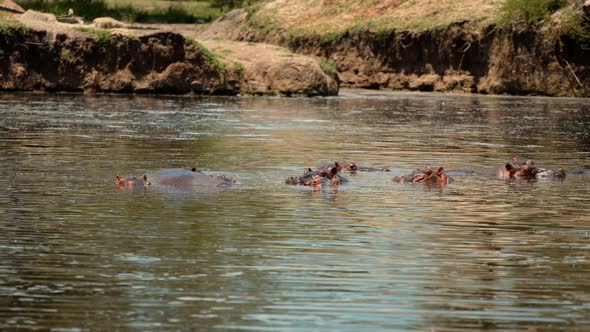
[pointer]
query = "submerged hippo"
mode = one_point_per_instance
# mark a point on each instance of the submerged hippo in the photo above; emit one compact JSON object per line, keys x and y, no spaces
{"x":518,"y":169}
{"x":426,"y":176}
{"x":188,"y":178}
{"x":353,"y":167}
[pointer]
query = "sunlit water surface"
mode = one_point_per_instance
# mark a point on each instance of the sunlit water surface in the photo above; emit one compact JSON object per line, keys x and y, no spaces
{"x":479,"y":254}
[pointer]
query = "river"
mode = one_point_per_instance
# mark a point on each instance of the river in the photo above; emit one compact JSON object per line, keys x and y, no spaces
{"x":76,"y":254}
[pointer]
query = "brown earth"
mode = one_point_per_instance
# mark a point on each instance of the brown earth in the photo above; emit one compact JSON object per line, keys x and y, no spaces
{"x":110,"y":56}
{"x":270,"y":68}
{"x":10,"y":6}
{"x":443,"y":45}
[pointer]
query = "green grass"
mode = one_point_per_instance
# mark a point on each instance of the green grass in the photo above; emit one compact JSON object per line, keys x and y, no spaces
{"x":10,"y":27}
{"x":557,"y":19}
{"x":529,"y":12}
{"x":239,"y":67}
{"x":216,"y":59}
{"x":328,"y":66}
{"x":161,"y":11}
{"x":570,"y":22}
{"x":213,"y":58}
{"x":102,"y":36}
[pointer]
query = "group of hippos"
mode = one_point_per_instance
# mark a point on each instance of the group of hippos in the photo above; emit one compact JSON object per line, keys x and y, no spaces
{"x":329,"y":176}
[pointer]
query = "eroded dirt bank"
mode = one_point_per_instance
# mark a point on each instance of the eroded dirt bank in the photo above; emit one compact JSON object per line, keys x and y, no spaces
{"x":40,"y":54}
{"x":155,"y":63}
{"x":457,"y":57}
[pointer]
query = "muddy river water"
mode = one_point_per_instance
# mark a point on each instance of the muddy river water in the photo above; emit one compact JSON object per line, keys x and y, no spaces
{"x":479,"y":254}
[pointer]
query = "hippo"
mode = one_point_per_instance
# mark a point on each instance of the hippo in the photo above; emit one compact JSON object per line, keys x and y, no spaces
{"x":323,"y":183}
{"x":309,"y":174}
{"x":187,"y":178}
{"x":352,"y":167}
{"x":426,"y":176}
{"x":550,"y":174}
{"x":516,"y":169}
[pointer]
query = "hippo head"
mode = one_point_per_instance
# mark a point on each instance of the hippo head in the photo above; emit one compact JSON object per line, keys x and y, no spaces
{"x":319,"y":182}
{"x":438,"y":178}
{"x":351,"y":167}
{"x":133,"y":182}
{"x":423,"y":176}
{"x":527,"y":171}
{"x":426,"y":176}
{"x":315,"y":182}
{"x":441,"y":177}
{"x":330,"y":173}
{"x":333,"y":170}
{"x":515,"y":169}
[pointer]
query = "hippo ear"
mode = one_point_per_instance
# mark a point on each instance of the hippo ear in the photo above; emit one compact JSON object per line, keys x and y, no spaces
{"x":119,"y":179}
{"x":145,"y":177}
{"x":440,"y":171}
{"x":334,"y":171}
{"x":193,"y":169}
{"x":510,"y":168}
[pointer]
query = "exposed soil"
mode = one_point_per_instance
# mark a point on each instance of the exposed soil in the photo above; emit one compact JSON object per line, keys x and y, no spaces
{"x":425,"y":45}
{"x":463,"y":53}
{"x":270,"y":68}
{"x":110,"y":56}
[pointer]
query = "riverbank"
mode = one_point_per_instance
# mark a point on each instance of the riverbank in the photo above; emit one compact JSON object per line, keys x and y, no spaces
{"x":292,"y":47}
{"x":448,"y":46}
{"x":39,"y":53}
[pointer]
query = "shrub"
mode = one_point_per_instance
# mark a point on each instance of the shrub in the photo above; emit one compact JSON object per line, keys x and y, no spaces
{"x":530,"y":12}
{"x":328,"y":66}
{"x":570,"y":22}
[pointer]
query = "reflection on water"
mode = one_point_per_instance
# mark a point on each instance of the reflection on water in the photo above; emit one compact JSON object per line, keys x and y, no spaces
{"x":479,"y":254}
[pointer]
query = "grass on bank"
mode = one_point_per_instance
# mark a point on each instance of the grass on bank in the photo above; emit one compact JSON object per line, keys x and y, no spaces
{"x":159,"y":11}
{"x":556,"y":18}
{"x":335,"y":18}
{"x":217,"y":60}
{"x":102,"y":36}
{"x":10,"y":26}
{"x":527,"y":11}
{"x":327,"y":22}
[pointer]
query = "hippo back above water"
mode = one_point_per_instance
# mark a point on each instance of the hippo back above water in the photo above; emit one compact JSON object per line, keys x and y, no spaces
{"x":352,"y":167}
{"x":186,"y":178}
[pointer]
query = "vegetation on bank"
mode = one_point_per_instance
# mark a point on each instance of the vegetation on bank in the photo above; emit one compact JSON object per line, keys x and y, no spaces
{"x":160,"y":11}
{"x":328,"y":66}
{"x":215,"y":59}
{"x":102,"y":37}
{"x":308,"y":22}
{"x":556,"y":18}
{"x":9,"y":27}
